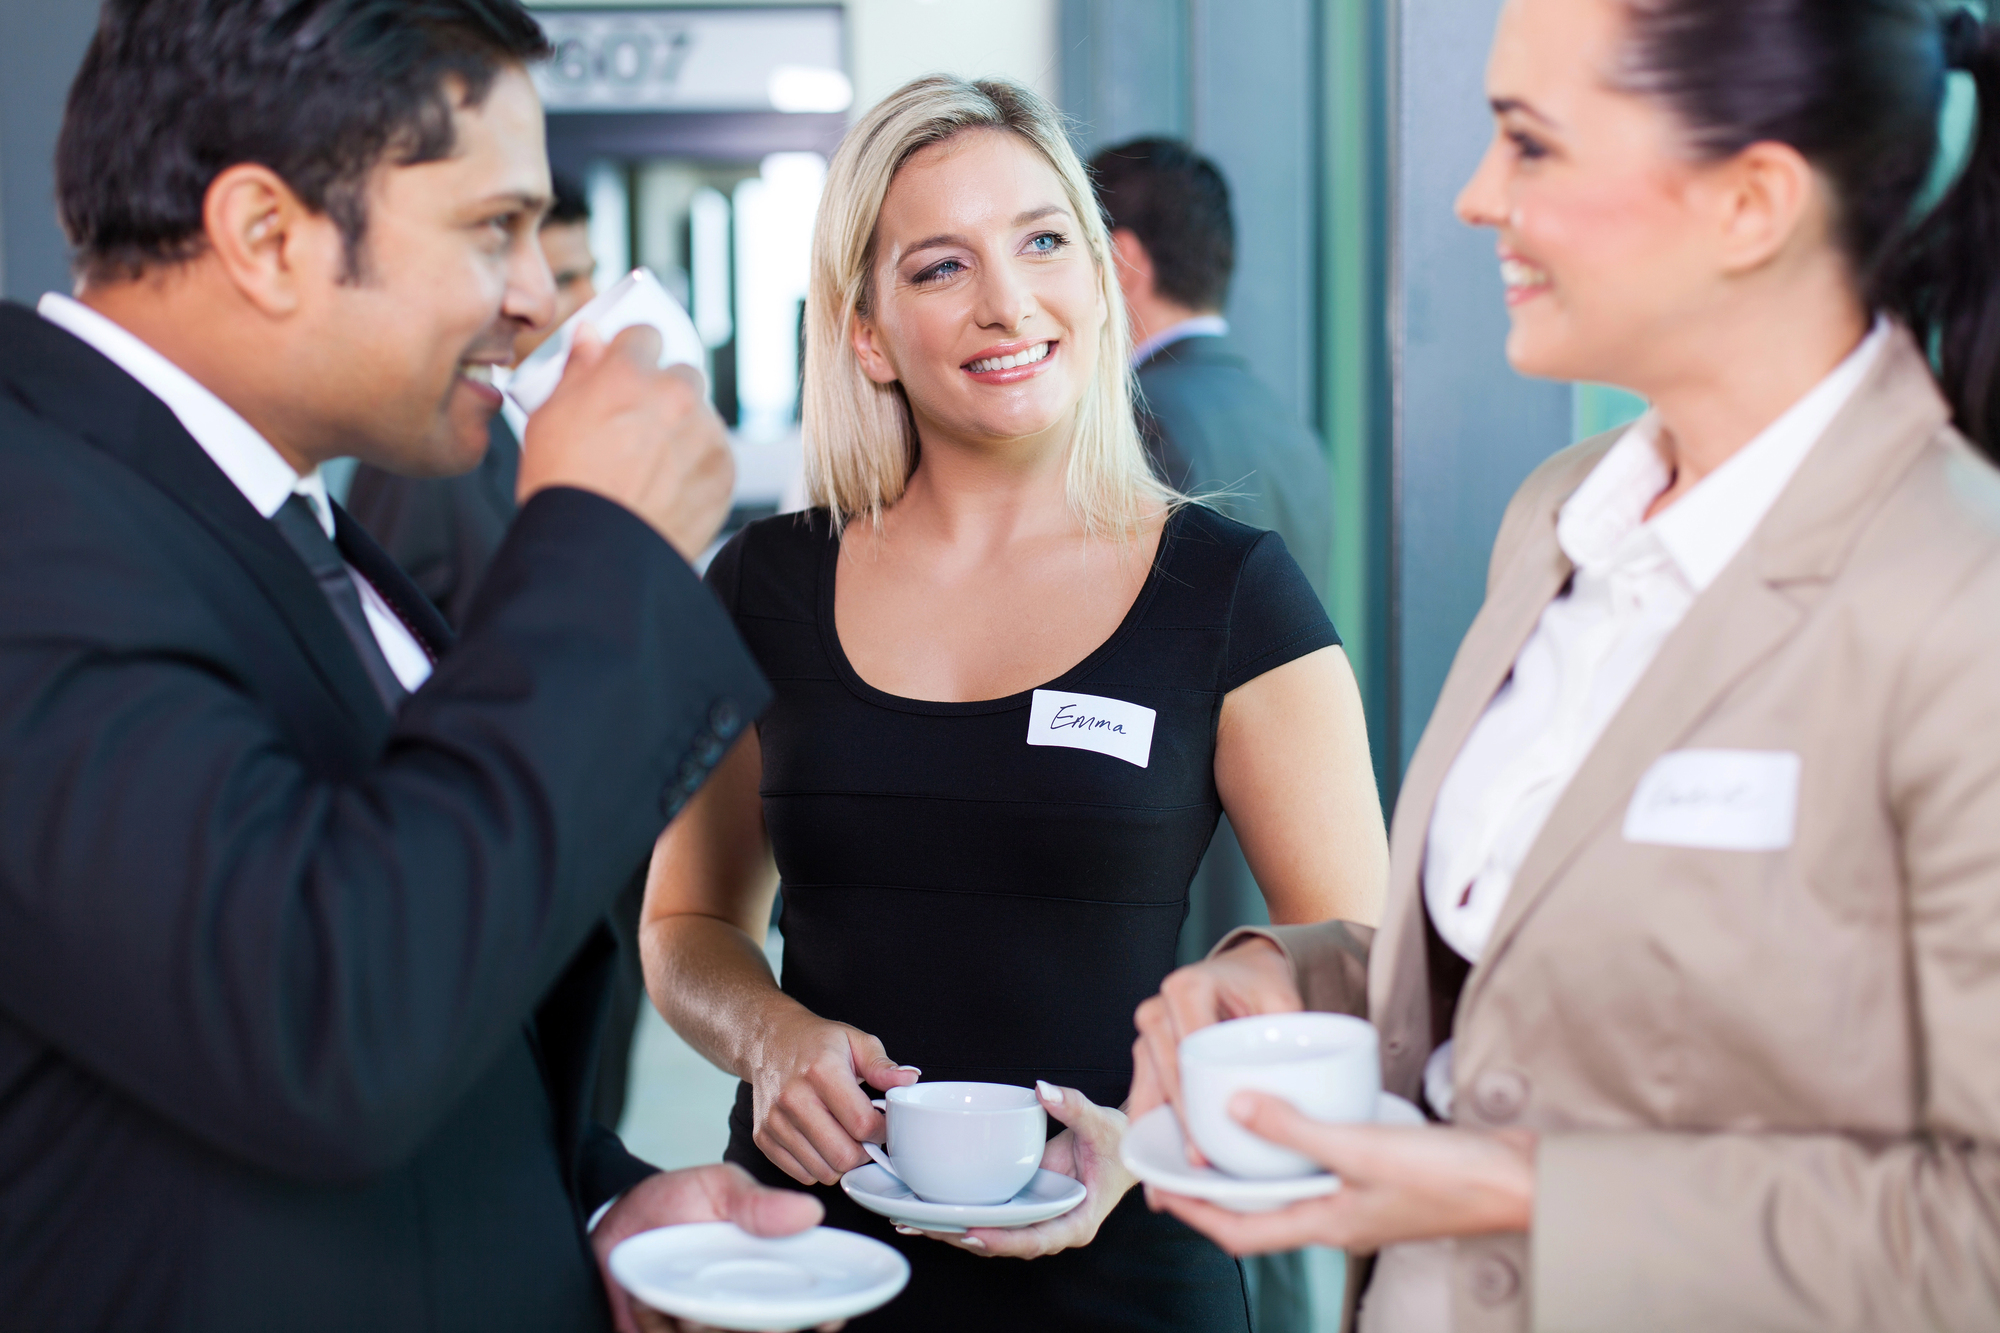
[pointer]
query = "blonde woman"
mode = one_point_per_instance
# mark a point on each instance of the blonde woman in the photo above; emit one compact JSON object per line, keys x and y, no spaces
{"x":975,"y":888}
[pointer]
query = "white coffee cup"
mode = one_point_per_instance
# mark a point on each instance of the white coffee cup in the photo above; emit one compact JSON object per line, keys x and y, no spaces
{"x":968,"y":1143}
{"x":1327,"y":1065}
{"x":636,"y":298}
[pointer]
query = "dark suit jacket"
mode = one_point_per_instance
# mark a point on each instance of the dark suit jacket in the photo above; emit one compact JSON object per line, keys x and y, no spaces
{"x":443,"y":531}
{"x":1209,"y":422}
{"x":297,"y":1000}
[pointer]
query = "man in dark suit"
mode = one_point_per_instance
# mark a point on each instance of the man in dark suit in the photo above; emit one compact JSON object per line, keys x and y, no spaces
{"x":444,"y":532}
{"x":1209,"y":423}
{"x":301,"y":954}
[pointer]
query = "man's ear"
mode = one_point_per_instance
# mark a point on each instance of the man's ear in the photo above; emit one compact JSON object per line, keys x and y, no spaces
{"x":271,"y":245}
{"x":1767,"y":197}
{"x":1135,"y":266}
{"x":869,"y":351}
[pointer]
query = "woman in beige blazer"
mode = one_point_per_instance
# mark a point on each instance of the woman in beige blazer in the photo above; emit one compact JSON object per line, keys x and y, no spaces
{"x":1693,"y":934}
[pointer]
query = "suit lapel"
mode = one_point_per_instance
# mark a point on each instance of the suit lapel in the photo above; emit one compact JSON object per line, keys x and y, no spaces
{"x":67,"y":381}
{"x":1745,"y":616}
{"x":1399,"y":993}
{"x":419,"y":616}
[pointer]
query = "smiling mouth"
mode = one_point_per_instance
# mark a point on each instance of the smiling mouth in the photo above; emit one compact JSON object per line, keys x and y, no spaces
{"x":1523,"y":278}
{"x":1027,"y":356}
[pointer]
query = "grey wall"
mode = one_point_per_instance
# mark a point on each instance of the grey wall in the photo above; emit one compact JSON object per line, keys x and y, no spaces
{"x":41,"y":43}
{"x":1467,"y":429}
{"x":1236,"y":78}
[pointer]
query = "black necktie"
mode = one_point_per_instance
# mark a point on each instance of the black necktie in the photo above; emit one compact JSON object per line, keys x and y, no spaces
{"x":296,"y":520}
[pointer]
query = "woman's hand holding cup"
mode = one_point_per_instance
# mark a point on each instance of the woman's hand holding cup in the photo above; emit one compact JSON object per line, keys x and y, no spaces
{"x":1250,"y":979}
{"x":810,"y":1113}
{"x":1087,"y":1151}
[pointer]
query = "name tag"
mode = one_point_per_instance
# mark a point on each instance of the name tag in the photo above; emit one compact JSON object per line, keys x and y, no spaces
{"x":1092,"y":722}
{"x":1727,"y":800}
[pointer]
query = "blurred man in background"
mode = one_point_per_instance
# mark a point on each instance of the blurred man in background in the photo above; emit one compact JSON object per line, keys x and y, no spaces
{"x":443,"y":531}
{"x":1210,"y":424}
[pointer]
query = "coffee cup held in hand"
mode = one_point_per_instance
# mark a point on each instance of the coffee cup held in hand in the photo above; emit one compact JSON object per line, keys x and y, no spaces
{"x":1327,"y":1065}
{"x":963,"y":1143}
{"x":635,"y":299}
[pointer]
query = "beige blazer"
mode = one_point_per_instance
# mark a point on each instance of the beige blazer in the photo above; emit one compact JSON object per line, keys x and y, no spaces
{"x":1767,"y":1082}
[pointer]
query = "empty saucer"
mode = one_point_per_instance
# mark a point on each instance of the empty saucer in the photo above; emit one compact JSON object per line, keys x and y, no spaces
{"x":717,"y":1274}
{"x":1049,"y":1194}
{"x":1155,"y":1152}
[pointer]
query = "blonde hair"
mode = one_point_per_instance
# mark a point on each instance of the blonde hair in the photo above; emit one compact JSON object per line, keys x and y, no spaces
{"x":860,"y":439}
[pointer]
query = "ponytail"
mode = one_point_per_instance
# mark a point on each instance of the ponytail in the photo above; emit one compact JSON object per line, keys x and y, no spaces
{"x":1858,"y":88}
{"x":1943,"y":278}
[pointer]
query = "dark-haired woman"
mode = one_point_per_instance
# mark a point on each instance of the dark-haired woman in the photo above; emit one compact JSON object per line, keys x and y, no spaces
{"x":1693,"y":932}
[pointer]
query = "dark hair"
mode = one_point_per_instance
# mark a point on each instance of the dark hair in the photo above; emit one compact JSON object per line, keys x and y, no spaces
{"x":1176,"y":202}
{"x":569,"y":206}
{"x":174,"y":92}
{"x":1857,"y":87}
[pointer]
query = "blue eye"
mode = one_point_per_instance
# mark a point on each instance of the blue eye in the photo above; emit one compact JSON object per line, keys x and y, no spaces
{"x":1048,"y":242}
{"x":944,"y":268}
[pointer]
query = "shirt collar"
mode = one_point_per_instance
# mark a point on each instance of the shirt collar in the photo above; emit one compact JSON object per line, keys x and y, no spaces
{"x":1200,"y":326}
{"x":1705,"y":529}
{"x":245,"y":457}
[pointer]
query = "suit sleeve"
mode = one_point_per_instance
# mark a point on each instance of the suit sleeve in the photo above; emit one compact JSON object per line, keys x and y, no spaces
{"x":1815,"y":1232}
{"x":307,"y":972}
{"x":1329,"y":961}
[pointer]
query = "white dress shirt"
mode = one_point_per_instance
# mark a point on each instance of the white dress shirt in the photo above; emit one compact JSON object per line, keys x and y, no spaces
{"x":245,"y":457}
{"x":1199,"y":326}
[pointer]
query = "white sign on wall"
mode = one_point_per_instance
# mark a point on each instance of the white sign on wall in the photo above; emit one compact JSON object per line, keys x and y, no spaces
{"x":693,"y":60}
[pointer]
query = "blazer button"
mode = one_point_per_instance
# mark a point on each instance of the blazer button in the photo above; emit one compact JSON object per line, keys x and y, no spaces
{"x":724,"y":720}
{"x":693,"y":771}
{"x":1499,"y":1095}
{"x":709,"y":749}
{"x":1494,"y":1281}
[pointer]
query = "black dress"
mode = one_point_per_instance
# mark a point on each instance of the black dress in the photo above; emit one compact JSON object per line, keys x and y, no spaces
{"x":995,"y":910}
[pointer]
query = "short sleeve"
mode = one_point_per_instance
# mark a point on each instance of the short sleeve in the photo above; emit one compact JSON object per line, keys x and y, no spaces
{"x":1275,"y":616}
{"x":725,"y":571}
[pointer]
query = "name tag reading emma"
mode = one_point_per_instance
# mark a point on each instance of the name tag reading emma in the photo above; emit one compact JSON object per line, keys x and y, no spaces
{"x":1092,"y":722}
{"x":1725,"y":800}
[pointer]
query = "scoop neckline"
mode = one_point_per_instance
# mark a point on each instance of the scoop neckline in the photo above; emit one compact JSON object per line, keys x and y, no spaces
{"x":829,"y":571}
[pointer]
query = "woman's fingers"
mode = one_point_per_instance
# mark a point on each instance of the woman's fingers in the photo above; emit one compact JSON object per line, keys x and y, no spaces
{"x":1314,"y":1222}
{"x":807,"y":1133}
{"x":874,"y":1066}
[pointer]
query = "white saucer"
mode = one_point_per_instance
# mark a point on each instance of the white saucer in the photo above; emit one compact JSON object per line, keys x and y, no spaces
{"x":717,"y":1274}
{"x":1155,"y":1152}
{"x":1049,"y":1194}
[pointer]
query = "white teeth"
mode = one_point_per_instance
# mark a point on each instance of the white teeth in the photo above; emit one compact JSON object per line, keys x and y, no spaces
{"x":1515,"y":273}
{"x":480,"y":374}
{"x":1026,"y":357}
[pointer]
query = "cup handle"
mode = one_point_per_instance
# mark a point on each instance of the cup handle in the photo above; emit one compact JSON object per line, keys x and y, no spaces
{"x":874,"y":1150}
{"x":879,"y":1104}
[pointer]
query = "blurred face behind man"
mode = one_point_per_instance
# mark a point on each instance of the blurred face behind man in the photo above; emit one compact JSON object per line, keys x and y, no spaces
{"x":566,"y":247}
{"x":384,"y":354}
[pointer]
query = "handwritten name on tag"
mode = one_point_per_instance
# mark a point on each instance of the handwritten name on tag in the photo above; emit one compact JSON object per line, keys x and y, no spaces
{"x":1727,"y":800}
{"x":1092,"y":722}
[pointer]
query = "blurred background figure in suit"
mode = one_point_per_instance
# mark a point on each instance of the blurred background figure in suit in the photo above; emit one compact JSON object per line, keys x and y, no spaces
{"x":1213,"y":429}
{"x":443,"y":531}
{"x":1209,"y":423}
